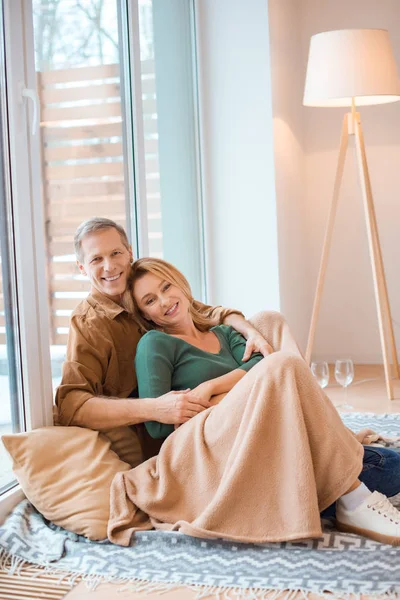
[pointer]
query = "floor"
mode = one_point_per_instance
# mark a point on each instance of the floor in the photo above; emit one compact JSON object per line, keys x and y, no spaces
{"x":366,"y":394}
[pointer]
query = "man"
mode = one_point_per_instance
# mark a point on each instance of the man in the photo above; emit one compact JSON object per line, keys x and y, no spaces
{"x":98,"y":374}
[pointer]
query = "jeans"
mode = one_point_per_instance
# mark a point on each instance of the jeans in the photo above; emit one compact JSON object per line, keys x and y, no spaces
{"x":381,"y":472}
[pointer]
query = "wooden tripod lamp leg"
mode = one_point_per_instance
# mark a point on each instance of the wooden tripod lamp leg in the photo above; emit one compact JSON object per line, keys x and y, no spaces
{"x":385,"y":295}
{"x":381,"y":271}
{"x":328,"y":238}
{"x":373,"y":242}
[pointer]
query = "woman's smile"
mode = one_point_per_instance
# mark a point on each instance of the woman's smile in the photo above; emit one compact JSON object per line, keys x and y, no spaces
{"x":172,"y":310}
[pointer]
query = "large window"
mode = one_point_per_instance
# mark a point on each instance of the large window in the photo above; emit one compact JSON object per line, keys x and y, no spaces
{"x":116,"y":88}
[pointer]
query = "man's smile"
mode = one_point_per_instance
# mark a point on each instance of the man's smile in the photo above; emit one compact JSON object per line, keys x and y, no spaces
{"x":113,"y":278}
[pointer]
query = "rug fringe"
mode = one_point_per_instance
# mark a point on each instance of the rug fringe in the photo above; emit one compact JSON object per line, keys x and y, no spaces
{"x":234,"y":593}
{"x":13,"y":565}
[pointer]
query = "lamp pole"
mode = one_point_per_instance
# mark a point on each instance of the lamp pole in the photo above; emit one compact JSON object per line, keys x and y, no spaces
{"x":352,"y":126}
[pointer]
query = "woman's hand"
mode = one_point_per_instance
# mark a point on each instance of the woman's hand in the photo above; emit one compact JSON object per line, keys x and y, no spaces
{"x":177,"y":407}
{"x":202,"y":393}
{"x":256,"y":343}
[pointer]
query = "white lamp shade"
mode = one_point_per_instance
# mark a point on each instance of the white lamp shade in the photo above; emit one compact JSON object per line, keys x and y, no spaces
{"x":351,"y":63}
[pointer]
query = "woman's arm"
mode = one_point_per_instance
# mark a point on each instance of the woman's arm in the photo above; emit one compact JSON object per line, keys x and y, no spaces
{"x":217,"y":386}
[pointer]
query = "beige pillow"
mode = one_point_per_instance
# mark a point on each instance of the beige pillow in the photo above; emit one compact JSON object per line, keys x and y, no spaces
{"x":66,"y":473}
{"x":125,"y":441}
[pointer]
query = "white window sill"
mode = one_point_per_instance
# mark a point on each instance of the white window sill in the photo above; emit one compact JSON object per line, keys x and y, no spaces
{"x":9,"y":500}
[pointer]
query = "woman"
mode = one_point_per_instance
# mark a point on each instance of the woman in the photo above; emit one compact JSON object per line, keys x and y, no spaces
{"x":258,"y":467}
{"x":181,"y":351}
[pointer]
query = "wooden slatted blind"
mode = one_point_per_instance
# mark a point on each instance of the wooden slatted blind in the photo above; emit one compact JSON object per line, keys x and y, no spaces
{"x":83,"y":169}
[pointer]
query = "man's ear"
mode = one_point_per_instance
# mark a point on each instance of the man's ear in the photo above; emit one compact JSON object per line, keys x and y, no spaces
{"x":81,"y":268}
{"x":131,"y":254}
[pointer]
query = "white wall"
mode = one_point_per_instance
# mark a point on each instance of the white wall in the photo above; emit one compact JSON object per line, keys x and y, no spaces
{"x":236,"y":114}
{"x":266,"y":193}
{"x":287,"y":75}
{"x":348,"y":322}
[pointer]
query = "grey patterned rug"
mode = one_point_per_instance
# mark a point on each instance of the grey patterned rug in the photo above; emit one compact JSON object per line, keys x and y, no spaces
{"x":343,"y":564}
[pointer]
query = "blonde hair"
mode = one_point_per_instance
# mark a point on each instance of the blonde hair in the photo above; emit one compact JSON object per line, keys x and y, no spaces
{"x":166,"y":272}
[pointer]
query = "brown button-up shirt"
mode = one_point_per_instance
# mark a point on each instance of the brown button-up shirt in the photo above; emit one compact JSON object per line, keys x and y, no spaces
{"x":101,"y":352}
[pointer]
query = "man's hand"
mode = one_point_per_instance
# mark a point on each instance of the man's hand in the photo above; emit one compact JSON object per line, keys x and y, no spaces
{"x":256,"y":343}
{"x":178,"y":407}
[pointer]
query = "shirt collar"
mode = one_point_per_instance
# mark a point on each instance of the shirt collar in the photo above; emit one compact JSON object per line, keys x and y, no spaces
{"x":111,"y":308}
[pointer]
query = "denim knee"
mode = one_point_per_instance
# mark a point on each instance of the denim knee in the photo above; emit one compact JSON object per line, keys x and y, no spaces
{"x":381,"y":470}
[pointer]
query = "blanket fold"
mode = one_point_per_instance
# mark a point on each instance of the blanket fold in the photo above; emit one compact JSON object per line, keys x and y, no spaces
{"x":258,"y":467}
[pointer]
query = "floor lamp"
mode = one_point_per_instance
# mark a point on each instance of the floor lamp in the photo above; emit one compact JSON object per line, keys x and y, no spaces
{"x":348,"y":68}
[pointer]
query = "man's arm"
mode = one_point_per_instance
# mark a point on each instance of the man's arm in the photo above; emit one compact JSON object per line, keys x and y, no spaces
{"x":80,"y":399}
{"x":238,"y":346}
{"x":106,"y":413}
{"x":84,"y":371}
{"x":216,"y":314}
{"x":236,"y":319}
{"x":255,"y":341}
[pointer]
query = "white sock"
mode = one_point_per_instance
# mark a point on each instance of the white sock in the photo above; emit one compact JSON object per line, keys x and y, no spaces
{"x":353,"y":499}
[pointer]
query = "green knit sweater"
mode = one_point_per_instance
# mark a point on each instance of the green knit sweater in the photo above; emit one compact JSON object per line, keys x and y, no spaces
{"x":164,"y":363}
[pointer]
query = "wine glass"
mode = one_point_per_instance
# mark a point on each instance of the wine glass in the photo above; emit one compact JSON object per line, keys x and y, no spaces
{"x":320,"y":370}
{"x":344,"y":375}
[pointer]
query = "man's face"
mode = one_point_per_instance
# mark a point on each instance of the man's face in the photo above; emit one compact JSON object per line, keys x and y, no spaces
{"x":106,"y":261}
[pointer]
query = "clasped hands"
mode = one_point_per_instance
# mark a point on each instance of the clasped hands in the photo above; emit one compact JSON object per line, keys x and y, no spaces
{"x":188,"y":403}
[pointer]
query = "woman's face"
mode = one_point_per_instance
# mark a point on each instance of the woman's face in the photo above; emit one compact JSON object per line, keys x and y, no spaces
{"x":161,"y":302}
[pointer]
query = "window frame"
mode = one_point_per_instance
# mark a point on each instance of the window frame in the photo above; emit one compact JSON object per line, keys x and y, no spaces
{"x":28,"y":220}
{"x":28,"y":229}
{"x":135,"y":177}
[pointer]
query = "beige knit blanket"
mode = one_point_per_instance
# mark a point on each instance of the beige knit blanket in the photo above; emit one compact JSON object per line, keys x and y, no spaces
{"x":258,"y":467}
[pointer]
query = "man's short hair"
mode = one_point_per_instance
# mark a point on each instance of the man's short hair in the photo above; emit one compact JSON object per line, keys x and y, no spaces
{"x":91,"y":226}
